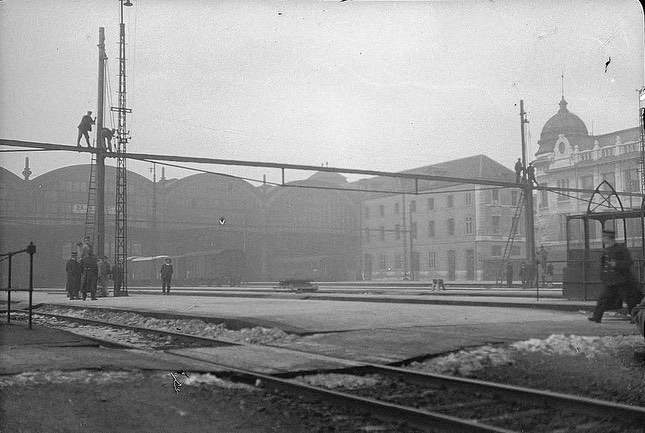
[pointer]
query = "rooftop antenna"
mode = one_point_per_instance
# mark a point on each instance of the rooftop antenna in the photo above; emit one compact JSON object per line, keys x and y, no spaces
{"x":562,"y":78}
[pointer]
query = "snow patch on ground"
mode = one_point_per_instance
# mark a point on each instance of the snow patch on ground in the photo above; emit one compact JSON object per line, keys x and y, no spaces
{"x":465,"y":362}
{"x":255,"y":335}
{"x":79,"y":376}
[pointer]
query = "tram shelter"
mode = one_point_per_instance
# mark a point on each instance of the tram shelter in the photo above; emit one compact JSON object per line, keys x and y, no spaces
{"x":581,"y":278}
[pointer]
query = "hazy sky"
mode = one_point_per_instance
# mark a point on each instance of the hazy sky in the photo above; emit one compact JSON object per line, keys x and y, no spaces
{"x":372,"y":85}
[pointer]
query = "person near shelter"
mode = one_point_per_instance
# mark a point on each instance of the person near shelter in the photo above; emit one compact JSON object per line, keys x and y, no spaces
{"x":617,"y":277}
{"x":104,"y":276}
{"x":166,"y":276}
{"x":73,"y":270}
{"x":90,"y":274}
{"x":84,"y":129}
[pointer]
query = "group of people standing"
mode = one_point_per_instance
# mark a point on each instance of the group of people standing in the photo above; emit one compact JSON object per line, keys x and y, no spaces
{"x":87,"y":273}
{"x":531,"y":276}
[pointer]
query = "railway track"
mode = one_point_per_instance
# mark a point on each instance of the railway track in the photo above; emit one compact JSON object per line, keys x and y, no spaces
{"x":427,"y":401}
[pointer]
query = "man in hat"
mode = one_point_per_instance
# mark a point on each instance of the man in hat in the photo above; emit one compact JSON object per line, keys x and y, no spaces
{"x":166,"y":276}
{"x":73,"y":269}
{"x":616,"y":275}
{"x":84,"y":128}
{"x":519,"y":168}
{"x":530,"y":172}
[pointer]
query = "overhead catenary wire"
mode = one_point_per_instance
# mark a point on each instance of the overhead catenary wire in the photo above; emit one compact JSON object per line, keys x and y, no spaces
{"x":559,"y":191}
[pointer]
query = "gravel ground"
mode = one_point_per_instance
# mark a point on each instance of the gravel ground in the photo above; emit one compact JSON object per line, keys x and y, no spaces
{"x":598,"y":367}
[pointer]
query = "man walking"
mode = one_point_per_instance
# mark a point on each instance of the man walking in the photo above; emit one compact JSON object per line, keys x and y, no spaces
{"x":166,"y":276}
{"x":84,"y":128}
{"x":615,"y":265}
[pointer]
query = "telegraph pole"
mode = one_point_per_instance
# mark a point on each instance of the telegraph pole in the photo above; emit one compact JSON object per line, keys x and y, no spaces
{"x":528,"y":197}
{"x":641,"y":133}
{"x":412,"y":275}
{"x":99,"y":242}
{"x":154,"y":208}
{"x":121,"y":216}
{"x":405,"y":246}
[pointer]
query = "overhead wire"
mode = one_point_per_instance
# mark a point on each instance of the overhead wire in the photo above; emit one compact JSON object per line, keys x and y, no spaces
{"x":291,"y":185}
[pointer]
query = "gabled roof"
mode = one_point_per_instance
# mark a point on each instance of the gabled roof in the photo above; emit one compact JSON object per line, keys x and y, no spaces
{"x":472,"y":167}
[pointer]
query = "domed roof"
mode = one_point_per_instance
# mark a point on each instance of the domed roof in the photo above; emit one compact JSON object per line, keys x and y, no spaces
{"x":563,"y":122}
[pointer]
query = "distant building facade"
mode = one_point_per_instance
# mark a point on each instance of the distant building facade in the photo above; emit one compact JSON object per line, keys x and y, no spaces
{"x":457,"y":232}
{"x":284,"y":232}
{"x":569,"y":157}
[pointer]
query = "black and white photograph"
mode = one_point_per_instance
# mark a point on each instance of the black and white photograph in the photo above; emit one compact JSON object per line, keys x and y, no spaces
{"x":322,"y":216}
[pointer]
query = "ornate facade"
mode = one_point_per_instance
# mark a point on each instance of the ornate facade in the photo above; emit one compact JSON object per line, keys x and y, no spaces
{"x":569,"y":157}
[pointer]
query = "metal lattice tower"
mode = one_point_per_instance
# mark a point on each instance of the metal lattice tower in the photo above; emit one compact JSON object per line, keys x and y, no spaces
{"x":121,"y":217}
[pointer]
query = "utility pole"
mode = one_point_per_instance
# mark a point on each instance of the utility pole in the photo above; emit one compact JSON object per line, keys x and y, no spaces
{"x":99,"y":242}
{"x":412,"y":275}
{"x":154,"y":208}
{"x":405,"y":246}
{"x":528,"y":197}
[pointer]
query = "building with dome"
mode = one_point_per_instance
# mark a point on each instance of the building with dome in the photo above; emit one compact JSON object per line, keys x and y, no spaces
{"x":569,"y":157}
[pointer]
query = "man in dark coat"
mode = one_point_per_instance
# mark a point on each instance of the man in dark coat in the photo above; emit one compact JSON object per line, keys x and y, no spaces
{"x":107,"y":135}
{"x":616,"y":274}
{"x":519,"y":168}
{"x":166,"y":277}
{"x":84,"y":128}
{"x":90,"y":275}
{"x":73,"y":269}
{"x":530,"y":172}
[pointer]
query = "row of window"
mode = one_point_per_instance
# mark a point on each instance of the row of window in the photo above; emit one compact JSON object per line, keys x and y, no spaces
{"x":630,"y":183}
{"x":430,"y":205}
{"x":469,"y":229}
{"x":493,"y":197}
{"x":384,"y":261}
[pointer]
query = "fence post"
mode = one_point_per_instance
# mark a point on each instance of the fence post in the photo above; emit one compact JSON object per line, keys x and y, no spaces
{"x":31,"y":249}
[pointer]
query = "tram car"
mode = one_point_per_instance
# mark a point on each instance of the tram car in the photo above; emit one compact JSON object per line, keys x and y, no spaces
{"x":204,"y":268}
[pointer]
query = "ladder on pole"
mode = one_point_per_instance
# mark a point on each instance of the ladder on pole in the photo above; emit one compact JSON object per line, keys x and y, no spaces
{"x":90,"y":211}
{"x":511,"y":238}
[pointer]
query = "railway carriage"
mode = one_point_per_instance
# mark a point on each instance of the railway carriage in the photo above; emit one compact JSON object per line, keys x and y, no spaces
{"x":204,"y":268}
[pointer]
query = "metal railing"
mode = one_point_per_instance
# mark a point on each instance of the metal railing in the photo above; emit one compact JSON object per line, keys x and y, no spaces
{"x":31,"y":250}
